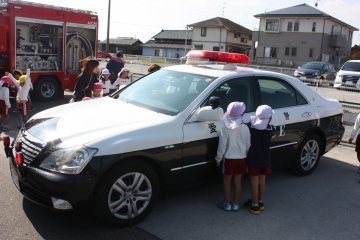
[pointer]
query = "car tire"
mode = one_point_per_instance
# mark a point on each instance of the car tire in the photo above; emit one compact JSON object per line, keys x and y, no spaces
{"x":46,"y":89}
{"x":308,"y":155}
{"x":127,"y":193}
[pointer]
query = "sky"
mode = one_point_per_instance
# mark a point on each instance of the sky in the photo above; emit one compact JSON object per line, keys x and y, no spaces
{"x":143,"y":19}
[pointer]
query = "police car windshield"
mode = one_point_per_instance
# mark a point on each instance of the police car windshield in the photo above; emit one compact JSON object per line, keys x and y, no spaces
{"x":351,"y":66}
{"x":165,"y":91}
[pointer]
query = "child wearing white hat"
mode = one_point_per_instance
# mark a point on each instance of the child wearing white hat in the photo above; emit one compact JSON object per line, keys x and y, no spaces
{"x":234,"y":143}
{"x":105,"y":82}
{"x":123,"y":79}
{"x":259,"y":156}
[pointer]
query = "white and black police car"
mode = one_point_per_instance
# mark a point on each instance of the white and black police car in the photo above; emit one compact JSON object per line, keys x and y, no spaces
{"x":158,"y":135}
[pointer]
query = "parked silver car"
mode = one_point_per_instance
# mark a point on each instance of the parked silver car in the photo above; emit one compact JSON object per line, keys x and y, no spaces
{"x":349,"y":76}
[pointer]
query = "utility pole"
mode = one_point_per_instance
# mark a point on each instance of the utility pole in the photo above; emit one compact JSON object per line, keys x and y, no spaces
{"x":108,"y":28}
{"x":186,"y":38}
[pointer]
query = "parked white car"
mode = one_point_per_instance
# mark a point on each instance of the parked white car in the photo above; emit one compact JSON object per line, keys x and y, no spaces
{"x":349,"y":76}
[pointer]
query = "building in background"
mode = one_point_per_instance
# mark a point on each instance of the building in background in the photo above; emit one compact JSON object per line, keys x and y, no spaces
{"x":127,"y":45}
{"x":295,"y":35}
{"x":221,"y":34}
{"x":168,"y":43}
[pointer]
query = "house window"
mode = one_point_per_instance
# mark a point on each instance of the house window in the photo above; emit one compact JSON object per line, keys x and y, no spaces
{"x":216,"y":48}
{"x":270,"y":52}
{"x":198,"y":46}
{"x":287,"y":51}
{"x":289,"y":26}
{"x":236,"y":34}
{"x":272,"y":24}
{"x":314,"y":27}
{"x":350,"y":36}
{"x":293,"y":51}
{"x":296,"y":26}
{"x":157,"y":52}
{"x":244,"y":40}
{"x":311,"y":52}
{"x":203,"y":31}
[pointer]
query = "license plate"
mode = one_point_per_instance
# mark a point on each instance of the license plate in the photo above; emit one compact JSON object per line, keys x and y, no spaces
{"x":303,"y":78}
{"x":14,"y":176}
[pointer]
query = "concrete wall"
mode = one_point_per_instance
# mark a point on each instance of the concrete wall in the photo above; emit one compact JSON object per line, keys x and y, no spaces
{"x":231,"y":39}
{"x":147,"y":51}
{"x":212,"y":35}
{"x":301,"y":41}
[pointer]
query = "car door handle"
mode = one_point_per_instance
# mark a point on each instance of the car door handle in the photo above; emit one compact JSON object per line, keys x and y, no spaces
{"x":306,"y":114}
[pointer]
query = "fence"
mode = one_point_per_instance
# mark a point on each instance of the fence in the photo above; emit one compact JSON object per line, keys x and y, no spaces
{"x":347,"y":95}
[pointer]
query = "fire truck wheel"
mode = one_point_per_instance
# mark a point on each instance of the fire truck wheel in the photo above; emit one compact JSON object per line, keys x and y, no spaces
{"x":46,"y":89}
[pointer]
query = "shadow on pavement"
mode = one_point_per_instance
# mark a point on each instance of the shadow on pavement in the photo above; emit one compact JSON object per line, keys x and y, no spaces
{"x":56,"y":225}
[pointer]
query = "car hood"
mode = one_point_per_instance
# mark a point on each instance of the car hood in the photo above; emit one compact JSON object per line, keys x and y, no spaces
{"x":306,"y":70}
{"x":349,"y":73}
{"x":82,"y":122}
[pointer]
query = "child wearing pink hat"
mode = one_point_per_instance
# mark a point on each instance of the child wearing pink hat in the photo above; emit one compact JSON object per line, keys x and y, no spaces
{"x":259,"y":157}
{"x":234,"y":143}
{"x":97,"y":91}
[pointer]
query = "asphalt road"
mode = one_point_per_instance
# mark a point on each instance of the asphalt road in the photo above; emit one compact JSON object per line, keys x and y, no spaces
{"x":324,"y":205}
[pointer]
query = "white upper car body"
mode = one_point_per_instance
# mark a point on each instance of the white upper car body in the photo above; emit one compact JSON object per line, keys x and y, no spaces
{"x":348,"y":76}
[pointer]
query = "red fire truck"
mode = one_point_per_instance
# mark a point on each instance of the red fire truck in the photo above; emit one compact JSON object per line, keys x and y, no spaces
{"x":49,"y":40}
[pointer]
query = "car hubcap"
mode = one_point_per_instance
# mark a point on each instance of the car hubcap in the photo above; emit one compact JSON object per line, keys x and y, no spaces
{"x":129,"y":195}
{"x":309,"y":155}
{"x":47,"y":89}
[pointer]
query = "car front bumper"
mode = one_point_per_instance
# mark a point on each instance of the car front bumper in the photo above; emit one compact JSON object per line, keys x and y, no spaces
{"x":40,"y":186}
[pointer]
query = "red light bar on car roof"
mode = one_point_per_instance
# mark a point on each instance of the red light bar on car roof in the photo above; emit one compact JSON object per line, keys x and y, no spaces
{"x":219,"y":56}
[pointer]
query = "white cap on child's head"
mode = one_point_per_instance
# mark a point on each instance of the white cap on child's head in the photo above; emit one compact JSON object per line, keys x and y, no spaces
{"x":261,"y":120}
{"x":105,"y":71}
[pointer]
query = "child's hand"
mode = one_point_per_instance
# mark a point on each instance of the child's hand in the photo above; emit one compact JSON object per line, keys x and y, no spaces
{"x":218,"y":163}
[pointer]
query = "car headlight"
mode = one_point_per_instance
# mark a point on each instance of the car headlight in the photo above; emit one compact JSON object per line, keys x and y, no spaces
{"x":69,"y":160}
{"x":339,"y":75}
{"x":317,"y":73}
{"x":296,"y":73}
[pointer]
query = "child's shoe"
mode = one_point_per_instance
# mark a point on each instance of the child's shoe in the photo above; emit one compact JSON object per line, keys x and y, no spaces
{"x":234,"y":206}
{"x":5,"y":128}
{"x":32,"y":108}
{"x":16,"y":110}
{"x":261,"y":206}
{"x":224,"y":206}
{"x":253,"y":209}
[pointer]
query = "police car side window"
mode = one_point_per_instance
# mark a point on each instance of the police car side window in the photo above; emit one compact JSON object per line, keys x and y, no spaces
{"x":279,"y":94}
{"x":239,"y":89}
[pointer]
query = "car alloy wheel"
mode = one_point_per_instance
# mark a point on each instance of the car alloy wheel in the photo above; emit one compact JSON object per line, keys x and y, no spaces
{"x":308,"y":155}
{"x":130,"y":195}
{"x":126,"y":193}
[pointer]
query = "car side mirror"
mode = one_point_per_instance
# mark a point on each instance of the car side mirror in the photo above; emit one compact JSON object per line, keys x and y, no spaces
{"x":209,"y":114}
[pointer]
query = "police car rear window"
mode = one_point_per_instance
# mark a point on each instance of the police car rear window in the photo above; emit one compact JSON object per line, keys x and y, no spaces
{"x":165,"y":91}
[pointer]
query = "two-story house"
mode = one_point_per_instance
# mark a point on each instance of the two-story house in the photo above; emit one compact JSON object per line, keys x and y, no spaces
{"x":221,"y":34}
{"x":169,"y":43}
{"x":299,"y":34}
